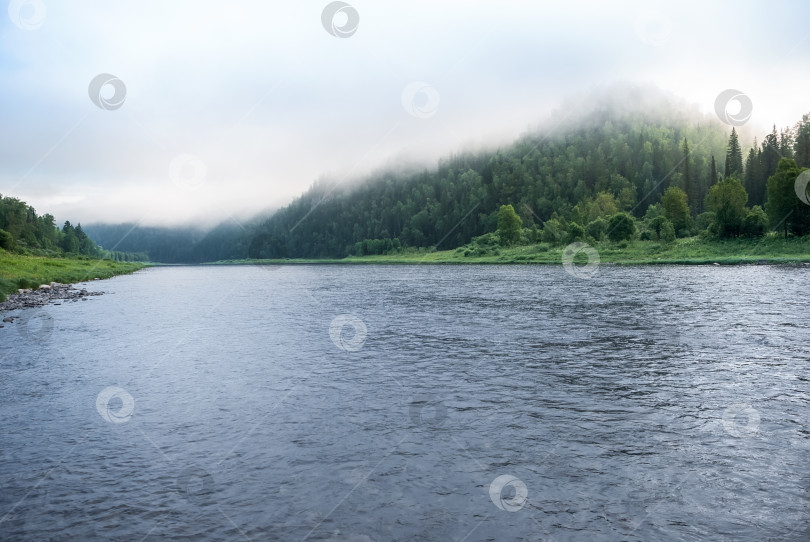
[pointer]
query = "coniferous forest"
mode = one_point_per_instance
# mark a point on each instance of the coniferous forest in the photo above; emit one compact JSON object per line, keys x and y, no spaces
{"x":22,"y":230}
{"x":674,"y":172}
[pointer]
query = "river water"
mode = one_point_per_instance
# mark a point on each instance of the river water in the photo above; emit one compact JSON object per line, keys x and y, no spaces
{"x":444,"y":403}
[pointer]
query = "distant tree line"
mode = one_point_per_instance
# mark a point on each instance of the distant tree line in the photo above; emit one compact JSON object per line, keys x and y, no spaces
{"x":23,"y":231}
{"x":614,"y":174}
{"x":609,"y":173}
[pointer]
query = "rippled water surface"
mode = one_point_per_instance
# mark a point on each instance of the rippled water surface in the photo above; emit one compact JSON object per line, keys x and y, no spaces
{"x":411,"y":403}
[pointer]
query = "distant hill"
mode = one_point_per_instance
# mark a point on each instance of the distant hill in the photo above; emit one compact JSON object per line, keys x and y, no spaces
{"x":23,"y":231}
{"x":173,"y":245}
{"x":628,"y":144}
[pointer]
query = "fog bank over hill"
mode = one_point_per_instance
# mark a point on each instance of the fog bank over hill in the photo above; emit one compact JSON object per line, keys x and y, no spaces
{"x":221,"y":115}
{"x":626,"y":143}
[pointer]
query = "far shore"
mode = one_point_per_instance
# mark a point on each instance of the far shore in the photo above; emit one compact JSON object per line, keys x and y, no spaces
{"x":772,"y":250}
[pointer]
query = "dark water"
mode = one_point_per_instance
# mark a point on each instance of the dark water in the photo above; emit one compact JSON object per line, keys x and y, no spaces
{"x":213,"y":403}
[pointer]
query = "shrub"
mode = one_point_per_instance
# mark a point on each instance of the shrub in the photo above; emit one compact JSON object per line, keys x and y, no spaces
{"x":552,"y":232}
{"x":755,"y":223}
{"x":704,"y":220}
{"x":667,"y":232}
{"x":575,"y":232}
{"x":597,"y":228}
{"x":621,"y":227}
{"x":6,"y":240}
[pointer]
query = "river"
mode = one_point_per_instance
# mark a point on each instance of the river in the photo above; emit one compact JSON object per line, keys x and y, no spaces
{"x":391,"y":402}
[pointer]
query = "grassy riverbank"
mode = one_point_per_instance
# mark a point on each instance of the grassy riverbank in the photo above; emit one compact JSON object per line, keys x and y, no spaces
{"x":688,"y":251}
{"x":18,"y":271}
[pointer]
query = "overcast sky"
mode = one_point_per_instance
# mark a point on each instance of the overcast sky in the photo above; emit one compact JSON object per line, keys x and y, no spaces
{"x":234,"y":107}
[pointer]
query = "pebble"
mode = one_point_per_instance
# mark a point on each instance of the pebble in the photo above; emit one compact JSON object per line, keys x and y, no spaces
{"x":44,"y":295}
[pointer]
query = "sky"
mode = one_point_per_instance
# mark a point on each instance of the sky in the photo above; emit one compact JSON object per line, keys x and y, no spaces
{"x":194,"y":112}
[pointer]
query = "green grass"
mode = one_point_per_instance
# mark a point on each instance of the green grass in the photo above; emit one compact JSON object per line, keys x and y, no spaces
{"x":688,"y":251}
{"x":17,"y":271}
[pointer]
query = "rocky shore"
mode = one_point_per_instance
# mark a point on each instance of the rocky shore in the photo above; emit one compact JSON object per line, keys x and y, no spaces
{"x":47,"y":293}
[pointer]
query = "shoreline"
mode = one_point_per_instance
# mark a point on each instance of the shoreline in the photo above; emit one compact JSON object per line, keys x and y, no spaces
{"x":22,"y":274}
{"x":770,"y":250}
{"x":716,"y":262}
{"x":44,"y":295}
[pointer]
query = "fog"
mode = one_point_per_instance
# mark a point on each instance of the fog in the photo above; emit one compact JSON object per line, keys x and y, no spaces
{"x":224,"y":110}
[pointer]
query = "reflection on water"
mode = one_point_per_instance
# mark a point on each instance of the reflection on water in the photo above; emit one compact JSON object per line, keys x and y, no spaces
{"x":412,"y":402}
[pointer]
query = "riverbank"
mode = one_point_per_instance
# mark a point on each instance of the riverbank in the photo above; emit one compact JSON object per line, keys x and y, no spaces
{"x":689,"y":251}
{"x":30,"y":272}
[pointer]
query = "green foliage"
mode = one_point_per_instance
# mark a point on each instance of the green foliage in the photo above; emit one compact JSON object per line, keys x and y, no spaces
{"x":597,"y":229}
{"x":784,"y":207}
{"x":660,"y":229}
{"x":554,"y":232}
{"x":22,"y":271}
{"x":575,"y":232}
{"x":509,"y":224}
{"x":755,"y":223}
{"x":727,"y":201}
{"x":6,"y":240}
{"x":604,"y":205}
{"x":667,"y":232}
{"x":653,"y":211}
{"x":676,"y":209}
{"x":704,"y":220}
{"x":370,"y":247}
{"x":608,"y":161}
{"x":621,"y":227}
{"x":734,"y":164}
{"x":801,"y":146}
{"x":31,"y":233}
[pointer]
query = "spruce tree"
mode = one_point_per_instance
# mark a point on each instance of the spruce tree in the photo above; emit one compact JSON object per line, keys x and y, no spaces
{"x":801,"y":143}
{"x":689,"y":182}
{"x":734,"y":162}
{"x":752,"y":175}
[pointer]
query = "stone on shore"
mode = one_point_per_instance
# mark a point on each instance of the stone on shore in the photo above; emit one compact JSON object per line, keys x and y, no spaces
{"x":43,"y":295}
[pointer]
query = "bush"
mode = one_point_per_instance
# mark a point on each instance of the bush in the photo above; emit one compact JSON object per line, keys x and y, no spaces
{"x":6,"y":240}
{"x":704,"y":220}
{"x":667,"y":232}
{"x":575,"y":232}
{"x":553,"y":232}
{"x":621,"y":227}
{"x":755,"y":223}
{"x":597,"y":229}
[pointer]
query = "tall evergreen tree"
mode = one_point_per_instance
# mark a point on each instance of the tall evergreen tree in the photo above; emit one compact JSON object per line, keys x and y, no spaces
{"x":801,"y":143}
{"x":786,"y":143}
{"x":784,"y":207}
{"x":713,"y":173}
{"x":752,"y":176}
{"x":734,"y":161}
{"x":689,"y":181}
{"x":770,"y":153}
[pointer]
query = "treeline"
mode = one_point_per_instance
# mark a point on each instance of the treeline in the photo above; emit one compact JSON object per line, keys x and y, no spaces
{"x":663,"y":169}
{"x":612,"y":160}
{"x":23,"y":231}
{"x":727,"y":215}
{"x":174,"y":245}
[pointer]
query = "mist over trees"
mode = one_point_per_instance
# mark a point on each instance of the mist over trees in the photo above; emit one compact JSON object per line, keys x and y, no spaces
{"x":628,"y":166}
{"x":175,"y":245}
{"x":23,"y":231}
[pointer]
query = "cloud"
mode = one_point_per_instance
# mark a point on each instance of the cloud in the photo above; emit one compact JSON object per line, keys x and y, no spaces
{"x":269,"y":101}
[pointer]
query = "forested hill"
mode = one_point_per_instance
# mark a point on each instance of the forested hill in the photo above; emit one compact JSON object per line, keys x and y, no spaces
{"x":626,"y":145}
{"x":23,"y":231}
{"x":176,"y":245}
{"x":619,"y":152}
